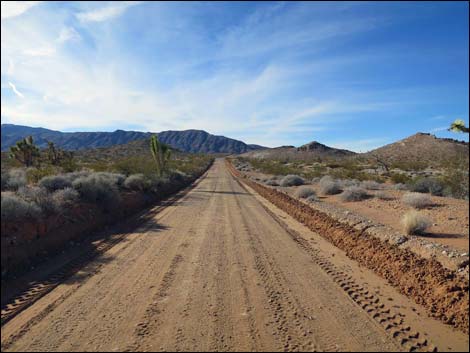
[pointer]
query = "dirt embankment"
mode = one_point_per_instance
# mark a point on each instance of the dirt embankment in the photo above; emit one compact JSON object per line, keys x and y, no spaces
{"x":29,"y":243}
{"x":443,"y":293}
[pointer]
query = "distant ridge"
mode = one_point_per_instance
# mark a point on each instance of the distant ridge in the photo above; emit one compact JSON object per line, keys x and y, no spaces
{"x":187,"y":140}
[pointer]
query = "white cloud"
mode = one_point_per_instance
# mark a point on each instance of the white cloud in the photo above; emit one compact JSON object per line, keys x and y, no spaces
{"x":106,"y":13}
{"x":16,"y":8}
{"x":18,"y":93}
{"x":68,"y":34}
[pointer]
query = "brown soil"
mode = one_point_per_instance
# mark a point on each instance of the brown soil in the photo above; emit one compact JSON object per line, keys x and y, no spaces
{"x":223,"y":270}
{"x":441,"y":291}
{"x":449,"y":216}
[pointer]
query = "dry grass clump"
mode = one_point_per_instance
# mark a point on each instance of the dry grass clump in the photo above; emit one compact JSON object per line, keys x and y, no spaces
{"x":353,"y":193}
{"x":292,"y":180}
{"x":417,"y":200}
{"x":329,"y":186}
{"x":414,"y":222}
{"x":303,"y":192}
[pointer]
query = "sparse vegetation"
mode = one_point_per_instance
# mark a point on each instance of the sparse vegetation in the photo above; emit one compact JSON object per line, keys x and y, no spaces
{"x":371,"y":185}
{"x":353,"y":193}
{"x":417,"y":200}
{"x":382,"y":195}
{"x":304,"y":192}
{"x":329,"y":186}
{"x":414,"y":222}
{"x":291,"y":180}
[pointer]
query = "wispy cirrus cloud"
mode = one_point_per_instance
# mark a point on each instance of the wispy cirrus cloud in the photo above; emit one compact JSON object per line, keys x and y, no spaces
{"x":107,"y":12}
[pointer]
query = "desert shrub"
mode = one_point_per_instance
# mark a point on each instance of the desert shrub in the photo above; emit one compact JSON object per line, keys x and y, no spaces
{"x":312,"y":198}
{"x":65,"y":197}
{"x":55,"y":182}
{"x":344,"y":183}
{"x":304,"y":191}
{"x":115,"y":178}
{"x":382,"y":195}
{"x":135,"y":182}
{"x":41,"y":197}
{"x":400,"y":186}
{"x":99,"y":189}
{"x":16,"y":209}
{"x":315,"y":180}
{"x":417,"y":200}
{"x":428,"y":185}
{"x":329,"y":186}
{"x":292,"y":180}
{"x":399,"y":178}
{"x":272,"y":182}
{"x":371,"y":185}
{"x":14,"y":179}
{"x":414,"y":222}
{"x":34,"y":174}
{"x":5,"y":178}
{"x":353,"y":193}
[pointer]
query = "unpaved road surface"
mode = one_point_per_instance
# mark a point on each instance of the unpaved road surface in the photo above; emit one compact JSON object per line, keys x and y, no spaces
{"x":222,"y":269}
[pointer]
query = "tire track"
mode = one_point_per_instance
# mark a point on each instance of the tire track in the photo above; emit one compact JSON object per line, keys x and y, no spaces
{"x":390,"y":321}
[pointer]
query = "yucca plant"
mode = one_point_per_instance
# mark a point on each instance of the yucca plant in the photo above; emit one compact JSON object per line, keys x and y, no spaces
{"x":25,"y":151}
{"x":161,"y":154}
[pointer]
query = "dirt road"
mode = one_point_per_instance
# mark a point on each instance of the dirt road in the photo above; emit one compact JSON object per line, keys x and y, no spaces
{"x":222,"y":269}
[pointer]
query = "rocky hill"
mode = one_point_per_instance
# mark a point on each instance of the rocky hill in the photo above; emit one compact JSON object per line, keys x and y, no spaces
{"x":422,"y":148}
{"x":186,"y":140}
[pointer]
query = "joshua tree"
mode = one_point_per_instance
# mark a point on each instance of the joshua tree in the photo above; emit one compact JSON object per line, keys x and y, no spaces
{"x":161,"y":154}
{"x":459,"y":126}
{"x":25,"y":151}
{"x":52,"y":153}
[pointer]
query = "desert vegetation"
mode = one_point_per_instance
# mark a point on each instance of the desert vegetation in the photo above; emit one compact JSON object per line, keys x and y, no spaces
{"x":414,"y":222}
{"x":54,"y":190}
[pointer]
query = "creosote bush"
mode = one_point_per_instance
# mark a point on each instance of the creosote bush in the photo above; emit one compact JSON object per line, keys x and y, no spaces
{"x":414,"y":222}
{"x":292,"y":180}
{"x":329,"y":186}
{"x":417,"y":200}
{"x":353,"y":193}
{"x":303,"y":192}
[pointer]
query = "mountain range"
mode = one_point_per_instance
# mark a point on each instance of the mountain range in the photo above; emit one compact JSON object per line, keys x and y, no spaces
{"x":186,"y":140}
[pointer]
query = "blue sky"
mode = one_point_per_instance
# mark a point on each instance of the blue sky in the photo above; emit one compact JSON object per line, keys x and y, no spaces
{"x":351,"y":75}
